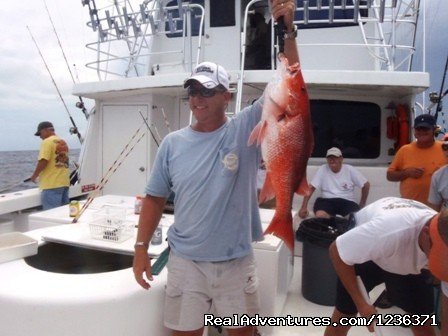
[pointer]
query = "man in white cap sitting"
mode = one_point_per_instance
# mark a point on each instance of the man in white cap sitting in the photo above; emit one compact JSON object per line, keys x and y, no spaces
{"x":337,"y":182}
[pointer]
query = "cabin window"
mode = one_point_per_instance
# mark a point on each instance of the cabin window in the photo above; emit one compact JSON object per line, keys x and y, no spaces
{"x":174,"y":25}
{"x":353,"y":127}
{"x":222,"y":13}
{"x":323,"y":14}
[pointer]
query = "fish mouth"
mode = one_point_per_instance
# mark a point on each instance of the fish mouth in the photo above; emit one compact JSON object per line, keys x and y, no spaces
{"x":293,"y":69}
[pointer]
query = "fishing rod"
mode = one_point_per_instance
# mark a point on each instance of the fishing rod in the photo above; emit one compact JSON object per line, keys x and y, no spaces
{"x":79,"y":104}
{"x":167,"y":124}
{"x":159,"y":138}
{"x":112,"y":169}
{"x":13,"y":185}
{"x":75,"y":131}
{"x":149,"y":128}
{"x":115,"y":165}
{"x":441,"y":93}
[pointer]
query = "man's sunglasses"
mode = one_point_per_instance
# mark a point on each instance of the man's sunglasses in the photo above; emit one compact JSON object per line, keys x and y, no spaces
{"x":445,"y":146}
{"x":422,"y":129}
{"x":204,"y":92}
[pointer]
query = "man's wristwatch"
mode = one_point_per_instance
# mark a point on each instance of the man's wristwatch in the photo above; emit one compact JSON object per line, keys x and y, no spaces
{"x":141,"y":244}
{"x":292,"y":35}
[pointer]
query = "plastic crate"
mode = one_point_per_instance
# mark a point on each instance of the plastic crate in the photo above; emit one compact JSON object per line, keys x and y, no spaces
{"x":102,"y":230}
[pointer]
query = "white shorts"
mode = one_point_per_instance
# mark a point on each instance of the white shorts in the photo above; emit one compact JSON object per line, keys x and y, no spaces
{"x":197,"y":288}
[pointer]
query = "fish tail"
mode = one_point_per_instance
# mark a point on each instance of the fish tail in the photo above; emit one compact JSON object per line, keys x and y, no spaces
{"x":281,"y":226}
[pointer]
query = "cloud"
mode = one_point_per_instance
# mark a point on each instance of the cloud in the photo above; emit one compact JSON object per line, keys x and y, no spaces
{"x":27,"y":94}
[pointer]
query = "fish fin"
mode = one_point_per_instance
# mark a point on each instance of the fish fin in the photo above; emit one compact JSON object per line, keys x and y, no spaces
{"x":258,"y":133}
{"x":267,"y":192}
{"x":281,"y":226}
{"x":304,"y":188}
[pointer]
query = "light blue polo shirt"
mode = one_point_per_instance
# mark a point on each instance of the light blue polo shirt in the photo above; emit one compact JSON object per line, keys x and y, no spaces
{"x":213,"y":176}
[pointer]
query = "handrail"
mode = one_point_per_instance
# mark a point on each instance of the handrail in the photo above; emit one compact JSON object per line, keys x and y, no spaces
{"x":382,"y":45}
{"x":239,"y":92}
{"x":144,"y":24}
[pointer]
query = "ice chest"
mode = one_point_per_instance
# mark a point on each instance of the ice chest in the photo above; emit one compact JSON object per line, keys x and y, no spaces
{"x":16,"y":245}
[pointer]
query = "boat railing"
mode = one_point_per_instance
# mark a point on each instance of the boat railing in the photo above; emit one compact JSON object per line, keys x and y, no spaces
{"x":125,"y":36}
{"x":387,"y":17}
{"x":382,"y":24}
{"x":129,"y":40}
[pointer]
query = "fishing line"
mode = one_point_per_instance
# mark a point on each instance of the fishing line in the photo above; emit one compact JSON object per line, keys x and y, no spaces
{"x":59,"y":41}
{"x":81,"y":105}
{"x":56,"y":86}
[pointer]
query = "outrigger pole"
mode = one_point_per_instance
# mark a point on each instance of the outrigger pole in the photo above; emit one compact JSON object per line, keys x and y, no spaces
{"x":80,"y":104}
{"x":441,"y":93}
{"x":55,"y":85}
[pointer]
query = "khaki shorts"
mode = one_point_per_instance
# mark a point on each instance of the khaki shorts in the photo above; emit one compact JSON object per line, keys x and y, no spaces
{"x":197,"y":288}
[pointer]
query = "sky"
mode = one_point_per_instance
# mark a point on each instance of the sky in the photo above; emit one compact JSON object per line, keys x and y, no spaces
{"x":28,"y":96}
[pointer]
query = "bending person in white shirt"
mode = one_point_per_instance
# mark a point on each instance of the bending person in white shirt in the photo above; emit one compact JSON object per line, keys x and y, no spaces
{"x":395,"y":241}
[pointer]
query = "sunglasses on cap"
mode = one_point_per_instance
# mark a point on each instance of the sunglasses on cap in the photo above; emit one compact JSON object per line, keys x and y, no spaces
{"x":204,"y":92}
{"x":445,"y":146}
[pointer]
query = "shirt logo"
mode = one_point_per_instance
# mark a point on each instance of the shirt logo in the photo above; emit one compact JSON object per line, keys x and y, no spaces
{"x":230,"y":162}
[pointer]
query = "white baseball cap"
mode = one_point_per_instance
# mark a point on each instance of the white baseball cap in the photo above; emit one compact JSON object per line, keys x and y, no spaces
{"x":210,"y":75}
{"x":334,"y":151}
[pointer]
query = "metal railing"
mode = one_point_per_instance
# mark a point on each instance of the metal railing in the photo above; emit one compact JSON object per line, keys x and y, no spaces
{"x":125,"y":36}
{"x":387,"y":16}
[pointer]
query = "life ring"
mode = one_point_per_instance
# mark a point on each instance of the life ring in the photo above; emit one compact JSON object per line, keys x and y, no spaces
{"x":398,"y":127}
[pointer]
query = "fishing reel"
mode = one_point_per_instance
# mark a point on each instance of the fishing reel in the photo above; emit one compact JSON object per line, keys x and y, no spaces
{"x":73,"y":130}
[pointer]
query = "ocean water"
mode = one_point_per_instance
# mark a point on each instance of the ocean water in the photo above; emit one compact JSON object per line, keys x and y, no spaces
{"x":16,"y":166}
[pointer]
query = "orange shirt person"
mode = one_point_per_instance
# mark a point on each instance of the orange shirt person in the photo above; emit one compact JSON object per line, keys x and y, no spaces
{"x":414,"y":163}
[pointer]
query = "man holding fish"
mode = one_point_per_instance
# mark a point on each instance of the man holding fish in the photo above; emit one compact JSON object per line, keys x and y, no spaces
{"x":212,"y":171}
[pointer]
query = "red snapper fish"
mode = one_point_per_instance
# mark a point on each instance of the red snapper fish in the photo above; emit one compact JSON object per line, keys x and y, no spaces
{"x":286,"y":137}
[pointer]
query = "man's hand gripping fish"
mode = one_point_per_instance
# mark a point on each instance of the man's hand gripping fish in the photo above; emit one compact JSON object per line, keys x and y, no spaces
{"x":286,"y":137}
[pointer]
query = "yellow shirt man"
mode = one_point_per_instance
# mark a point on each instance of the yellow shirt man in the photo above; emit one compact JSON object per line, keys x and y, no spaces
{"x":52,"y":168}
{"x":56,"y":173}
